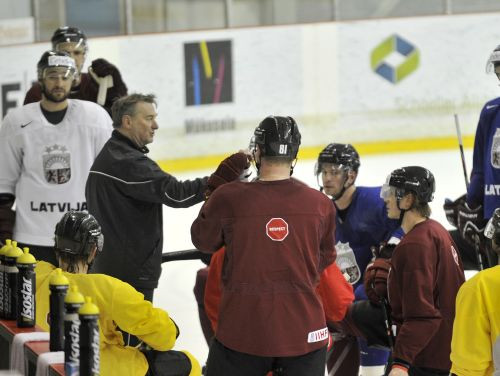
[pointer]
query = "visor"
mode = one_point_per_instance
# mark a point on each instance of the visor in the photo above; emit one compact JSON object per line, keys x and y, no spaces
{"x":387,"y":191}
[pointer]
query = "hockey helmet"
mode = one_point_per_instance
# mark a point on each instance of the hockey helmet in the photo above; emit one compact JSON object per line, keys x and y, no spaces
{"x":54,"y":59}
{"x":278,"y":136}
{"x":412,"y":179}
{"x":493,"y":60}
{"x":67,"y":34}
{"x":76,"y":234}
{"x":343,"y":155}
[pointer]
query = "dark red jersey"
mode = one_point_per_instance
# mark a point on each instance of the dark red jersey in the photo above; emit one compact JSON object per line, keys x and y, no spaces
{"x":423,"y":283}
{"x":279,"y":237}
{"x":335,"y":292}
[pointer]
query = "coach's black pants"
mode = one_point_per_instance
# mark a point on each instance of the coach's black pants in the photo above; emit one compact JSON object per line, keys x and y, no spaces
{"x":223,"y":361}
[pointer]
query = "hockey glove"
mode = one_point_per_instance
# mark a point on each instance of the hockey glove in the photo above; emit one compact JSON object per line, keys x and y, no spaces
{"x":471,"y":224}
{"x":7,"y":216}
{"x":451,"y":209}
{"x":375,"y":279}
{"x":228,"y":170}
{"x":384,"y":250}
{"x":108,"y":80}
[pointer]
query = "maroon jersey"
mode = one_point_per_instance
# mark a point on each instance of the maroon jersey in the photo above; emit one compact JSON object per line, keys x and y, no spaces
{"x":423,"y":282}
{"x":279,"y":237}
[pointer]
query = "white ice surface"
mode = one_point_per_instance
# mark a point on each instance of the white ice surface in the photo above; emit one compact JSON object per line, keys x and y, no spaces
{"x":175,"y":291}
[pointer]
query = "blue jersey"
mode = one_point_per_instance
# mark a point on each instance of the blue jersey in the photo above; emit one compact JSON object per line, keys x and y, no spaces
{"x":365,"y":225}
{"x":484,"y":186}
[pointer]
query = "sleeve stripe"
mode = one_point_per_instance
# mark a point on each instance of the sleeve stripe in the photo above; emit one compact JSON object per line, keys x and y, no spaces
{"x":120,"y":180}
{"x":140,"y":182}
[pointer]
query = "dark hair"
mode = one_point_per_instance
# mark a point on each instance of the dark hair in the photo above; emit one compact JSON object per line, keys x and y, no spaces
{"x":126,"y":106}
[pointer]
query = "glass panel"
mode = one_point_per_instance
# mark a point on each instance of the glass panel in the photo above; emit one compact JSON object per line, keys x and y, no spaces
{"x":251,"y":12}
{"x":301,"y":11}
{"x":195,"y":14}
{"x":466,"y":6}
{"x":51,"y":16}
{"x":15,"y":9}
{"x":104,"y":18}
{"x":148,"y":16}
{"x":360,"y":9}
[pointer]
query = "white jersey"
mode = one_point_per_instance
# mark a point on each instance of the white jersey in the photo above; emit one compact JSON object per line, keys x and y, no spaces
{"x":46,"y":166}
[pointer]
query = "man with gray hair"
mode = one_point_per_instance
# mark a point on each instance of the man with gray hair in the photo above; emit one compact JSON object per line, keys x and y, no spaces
{"x":125,"y":192}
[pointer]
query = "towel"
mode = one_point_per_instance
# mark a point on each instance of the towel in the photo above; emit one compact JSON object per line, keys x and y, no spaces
{"x":17,"y":350}
{"x":46,"y":359}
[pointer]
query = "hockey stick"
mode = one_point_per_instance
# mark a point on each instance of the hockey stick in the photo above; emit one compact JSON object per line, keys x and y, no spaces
{"x":461,"y":147}
{"x":188,"y":254}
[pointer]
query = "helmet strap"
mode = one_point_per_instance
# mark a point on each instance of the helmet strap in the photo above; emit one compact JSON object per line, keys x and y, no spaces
{"x":344,"y":187}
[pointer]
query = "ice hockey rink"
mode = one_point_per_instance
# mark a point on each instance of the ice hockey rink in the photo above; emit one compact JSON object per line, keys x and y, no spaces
{"x":175,"y":290}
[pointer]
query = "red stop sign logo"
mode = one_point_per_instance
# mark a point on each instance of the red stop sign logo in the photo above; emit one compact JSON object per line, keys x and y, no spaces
{"x":277,"y":229}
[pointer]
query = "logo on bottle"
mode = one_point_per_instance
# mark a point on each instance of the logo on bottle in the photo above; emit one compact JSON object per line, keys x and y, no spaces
{"x":95,"y":350}
{"x":28,"y":309}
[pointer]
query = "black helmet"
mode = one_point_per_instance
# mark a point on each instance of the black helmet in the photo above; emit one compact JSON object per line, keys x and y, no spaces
{"x":77,"y":233}
{"x":278,"y":136}
{"x":415,"y":179}
{"x":55,"y":59}
{"x":344,"y":155}
{"x":67,"y":34}
{"x":492,"y":229}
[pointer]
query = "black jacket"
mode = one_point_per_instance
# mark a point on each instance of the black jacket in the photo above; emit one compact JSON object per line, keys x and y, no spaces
{"x":125,"y":192}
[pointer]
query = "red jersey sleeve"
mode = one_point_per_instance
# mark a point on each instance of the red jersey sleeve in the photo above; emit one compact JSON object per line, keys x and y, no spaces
{"x":335,"y":292}
{"x":212,"y":288}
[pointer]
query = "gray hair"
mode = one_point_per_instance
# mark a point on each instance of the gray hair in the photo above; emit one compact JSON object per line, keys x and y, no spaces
{"x":126,"y":106}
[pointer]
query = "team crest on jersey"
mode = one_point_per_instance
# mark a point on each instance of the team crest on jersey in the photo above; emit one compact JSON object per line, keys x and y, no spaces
{"x":495,"y":149}
{"x":346,"y":261}
{"x":56,"y":164}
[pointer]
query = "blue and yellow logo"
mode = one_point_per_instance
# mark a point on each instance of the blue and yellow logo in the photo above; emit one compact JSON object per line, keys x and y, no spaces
{"x":398,"y":45}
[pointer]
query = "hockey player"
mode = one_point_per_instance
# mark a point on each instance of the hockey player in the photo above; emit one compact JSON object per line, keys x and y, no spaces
{"x":470,"y":213}
{"x":475,"y":346}
{"x":426,"y":273}
{"x":103,"y":84}
{"x":46,"y":150}
{"x":361,"y":223}
{"x":78,"y":239}
{"x":279,"y":237}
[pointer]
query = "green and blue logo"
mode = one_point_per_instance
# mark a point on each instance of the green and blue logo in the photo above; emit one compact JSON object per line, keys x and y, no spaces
{"x":398,"y":45}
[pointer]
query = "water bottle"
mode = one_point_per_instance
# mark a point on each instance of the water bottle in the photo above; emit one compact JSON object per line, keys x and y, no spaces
{"x":10,"y":281}
{"x":89,"y":338}
{"x":58,"y":286}
{"x":26,"y":286}
{"x":72,"y":304}
{"x":3,"y":251}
